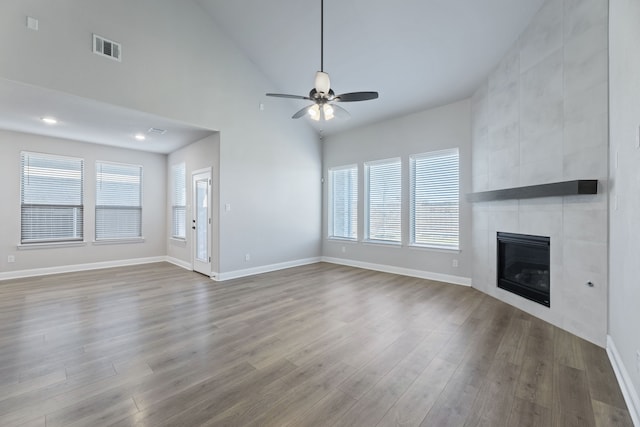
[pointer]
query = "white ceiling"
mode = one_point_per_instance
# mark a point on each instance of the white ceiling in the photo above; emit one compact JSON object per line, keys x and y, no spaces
{"x":23,"y":106}
{"x":416,"y":53}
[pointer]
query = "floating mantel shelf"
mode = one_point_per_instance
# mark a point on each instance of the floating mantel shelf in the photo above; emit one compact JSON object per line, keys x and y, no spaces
{"x":566,"y":188}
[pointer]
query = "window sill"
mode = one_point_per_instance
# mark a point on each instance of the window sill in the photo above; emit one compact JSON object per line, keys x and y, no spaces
{"x":118,"y":241}
{"x":50,"y":245}
{"x":383,"y":243}
{"x":342,"y":239}
{"x":178,"y":241}
{"x":434,"y":249}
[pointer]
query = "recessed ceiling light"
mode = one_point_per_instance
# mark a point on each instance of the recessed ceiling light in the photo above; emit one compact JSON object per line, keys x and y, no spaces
{"x":140,"y":137}
{"x":50,"y":120}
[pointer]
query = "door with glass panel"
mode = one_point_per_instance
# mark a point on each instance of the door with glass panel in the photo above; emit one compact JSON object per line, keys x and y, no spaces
{"x":201,"y":222}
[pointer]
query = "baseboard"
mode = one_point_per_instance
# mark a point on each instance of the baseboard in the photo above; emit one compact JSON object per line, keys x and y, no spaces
{"x":626,"y":385}
{"x":180,"y":263}
{"x":219,"y":277}
{"x":421,"y":274}
{"x":19,"y":274}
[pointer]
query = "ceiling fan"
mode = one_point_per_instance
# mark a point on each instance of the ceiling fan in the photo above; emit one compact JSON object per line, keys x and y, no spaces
{"x":323,"y":97}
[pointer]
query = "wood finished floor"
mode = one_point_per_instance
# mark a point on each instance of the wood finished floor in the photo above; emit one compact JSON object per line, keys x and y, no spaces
{"x":320,"y":345}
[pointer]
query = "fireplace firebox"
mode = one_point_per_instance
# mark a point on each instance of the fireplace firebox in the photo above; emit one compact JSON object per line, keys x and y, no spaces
{"x":523,"y":266}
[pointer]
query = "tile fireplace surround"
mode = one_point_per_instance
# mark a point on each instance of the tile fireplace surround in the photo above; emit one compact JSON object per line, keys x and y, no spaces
{"x":542,"y":117}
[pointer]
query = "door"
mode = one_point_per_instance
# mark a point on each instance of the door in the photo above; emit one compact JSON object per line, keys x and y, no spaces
{"x":201,"y":224}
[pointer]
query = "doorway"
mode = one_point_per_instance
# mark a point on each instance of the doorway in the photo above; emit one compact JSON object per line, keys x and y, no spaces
{"x":201,"y":221}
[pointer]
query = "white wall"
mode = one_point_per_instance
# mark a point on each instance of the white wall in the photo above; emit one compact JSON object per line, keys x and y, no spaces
{"x":624,"y":209}
{"x":430,"y":130}
{"x":541,"y":117}
{"x":199,"y":155}
{"x":153,"y":208}
{"x":178,"y":64}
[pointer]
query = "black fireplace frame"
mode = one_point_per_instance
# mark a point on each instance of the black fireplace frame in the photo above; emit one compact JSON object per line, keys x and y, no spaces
{"x":514,"y":287}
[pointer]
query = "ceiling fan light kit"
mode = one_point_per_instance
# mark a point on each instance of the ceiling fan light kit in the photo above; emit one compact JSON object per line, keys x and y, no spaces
{"x":322,"y":95}
{"x":317,"y":113}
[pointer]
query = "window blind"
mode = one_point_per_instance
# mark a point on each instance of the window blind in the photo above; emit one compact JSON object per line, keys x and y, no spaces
{"x":118,"y":201}
{"x":434,"y":206}
{"x":51,"y":198}
{"x":179,"y":201}
{"x":343,"y":202}
{"x":383,"y":201}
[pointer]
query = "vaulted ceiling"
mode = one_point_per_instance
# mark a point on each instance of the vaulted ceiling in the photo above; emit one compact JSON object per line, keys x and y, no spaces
{"x":416,"y":53}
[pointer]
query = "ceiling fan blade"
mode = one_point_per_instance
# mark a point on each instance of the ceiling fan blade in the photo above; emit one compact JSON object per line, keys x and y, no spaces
{"x":340,"y":112}
{"x":356,"y":96}
{"x":282,"y":95}
{"x":301,"y":112}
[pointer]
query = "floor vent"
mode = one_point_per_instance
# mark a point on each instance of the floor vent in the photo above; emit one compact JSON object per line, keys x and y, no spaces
{"x":108,"y":48}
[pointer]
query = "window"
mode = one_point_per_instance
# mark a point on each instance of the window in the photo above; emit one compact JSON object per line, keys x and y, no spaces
{"x":383,"y":200}
{"x":51,"y":198}
{"x":179,"y":201}
{"x":434,"y":208}
{"x":118,"y":201}
{"x":343,"y":202}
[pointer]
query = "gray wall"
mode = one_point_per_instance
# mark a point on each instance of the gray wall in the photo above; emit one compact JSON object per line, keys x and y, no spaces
{"x":153,"y":204}
{"x":541,"y":117}
{"x":624,"y":268}
{"x":199,"y":155}
{"x":430,"y":130}
{"x":178,"y":64}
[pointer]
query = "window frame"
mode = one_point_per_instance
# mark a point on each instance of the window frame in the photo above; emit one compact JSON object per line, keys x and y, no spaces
{"x":109,"y":239}
{"x":413,"y":196}
{"x":78,"y":237}
{"x":331,"y":203}
{"x":174,"y":205}
{"x":367,"y":201}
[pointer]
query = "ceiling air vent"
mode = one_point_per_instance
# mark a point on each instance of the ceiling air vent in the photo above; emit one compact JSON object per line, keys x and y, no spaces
{"x":108,"y":48}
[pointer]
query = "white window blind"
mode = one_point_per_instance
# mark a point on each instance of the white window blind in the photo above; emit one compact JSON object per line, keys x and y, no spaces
{"x":434,"y":207}
{"x":179,"y":201}
{"x":383,"y":200}
{"x":51,"y":198}
{"x":343,"y":202}
{"x":118,"y":201}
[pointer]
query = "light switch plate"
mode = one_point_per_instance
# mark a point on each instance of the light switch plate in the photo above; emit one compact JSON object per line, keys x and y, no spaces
{"x":32,"y":23}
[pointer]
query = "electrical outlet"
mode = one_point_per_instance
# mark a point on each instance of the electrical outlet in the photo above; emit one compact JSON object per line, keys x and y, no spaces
{"x":344,"y":249}
{"x":638,"y":361}
{"x":247,"y":257}
{"x":11,"y":258}
{"x":454,"y":263}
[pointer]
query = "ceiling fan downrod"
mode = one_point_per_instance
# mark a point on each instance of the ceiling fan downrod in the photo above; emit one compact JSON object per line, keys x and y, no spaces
{"x":322,"y":83}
